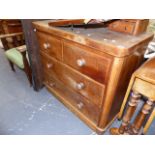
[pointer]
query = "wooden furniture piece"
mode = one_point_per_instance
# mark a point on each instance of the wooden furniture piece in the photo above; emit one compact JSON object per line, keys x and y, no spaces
{"x":141,"y":84}
{"x":32,"y":49}
{"x":10,"y":26}
{"x":130,"y":26}
{"x":17,"y":55}
{"x":29,"y":38}
{"x":12,"y":37}
{"x":88,"y":69}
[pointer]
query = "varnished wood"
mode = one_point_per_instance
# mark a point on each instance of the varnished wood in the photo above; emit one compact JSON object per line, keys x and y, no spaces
{"x":130,"y":26}
{"x":50,"y":45}
{"x":66,"y":22}
{"x":73,"y":99}
{"x":143,"y":82}
{"x":149,"y":122}
{"x":125,"y":125}
{"x":101,"y":39}
{"x":93,"y":64}
{"x":141,"y":117}
{"x":10,"y":35}
{"x":9,"y":26}
{"x":144,"y":73}
{"x":91,"y":89}
{"x":107,"y":60}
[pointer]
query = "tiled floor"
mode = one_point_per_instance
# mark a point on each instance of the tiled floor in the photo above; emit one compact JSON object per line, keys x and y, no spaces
{"x":24,"y":111}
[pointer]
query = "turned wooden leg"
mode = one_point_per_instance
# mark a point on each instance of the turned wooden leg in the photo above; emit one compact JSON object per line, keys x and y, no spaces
{"x":149,"y":121}
{"x":135,"y":96}
{"x":11,"y":65}
{"x":139,"y":120}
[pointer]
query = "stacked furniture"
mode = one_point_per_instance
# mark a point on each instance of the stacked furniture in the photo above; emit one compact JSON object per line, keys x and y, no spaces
{"x":89,"y":69}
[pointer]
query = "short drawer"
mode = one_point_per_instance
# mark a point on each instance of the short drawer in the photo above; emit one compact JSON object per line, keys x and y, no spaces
{"x":123,"y":26}
{"x":72,"y":98}
{"x":78,"y":82}
{"x":86,"y":62}
{"x":50,"y":45}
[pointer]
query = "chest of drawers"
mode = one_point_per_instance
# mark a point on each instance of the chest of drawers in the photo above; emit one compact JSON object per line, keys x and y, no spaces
{"x":89,"y":69}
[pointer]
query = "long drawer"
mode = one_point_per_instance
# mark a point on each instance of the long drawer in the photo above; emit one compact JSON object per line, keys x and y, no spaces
{"x":50,"y":45}
{"x":87,"y":62}
{"x":76,"y":81}
{"x":81,"y":104}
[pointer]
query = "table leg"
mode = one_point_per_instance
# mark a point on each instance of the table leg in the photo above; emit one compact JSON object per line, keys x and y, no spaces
{"x":149,"y":121}
{"x":139,"y":120}
{"x":133,"y":102}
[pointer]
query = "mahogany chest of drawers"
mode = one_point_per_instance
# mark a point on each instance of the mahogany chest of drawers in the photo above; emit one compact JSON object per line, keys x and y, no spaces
{"x":89,"y":69}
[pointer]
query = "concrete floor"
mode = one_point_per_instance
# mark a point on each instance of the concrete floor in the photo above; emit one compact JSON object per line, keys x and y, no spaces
{"x":26,"y":112}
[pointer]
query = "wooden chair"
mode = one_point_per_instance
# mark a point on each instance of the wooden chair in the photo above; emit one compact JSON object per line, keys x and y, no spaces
{"x":10,"y":26}
{"x":141,"y":86}
{"x":14,"y":45}
{"x":15,"y":51}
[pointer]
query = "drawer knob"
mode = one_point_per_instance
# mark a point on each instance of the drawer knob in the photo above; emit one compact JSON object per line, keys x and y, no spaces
{"x":52,"y":84}
{"x":80,"y":85}
{"x":49,"y":65}
{"x":46,"y":45}
{"x":80,"y":105}
{"x":81,"y":62}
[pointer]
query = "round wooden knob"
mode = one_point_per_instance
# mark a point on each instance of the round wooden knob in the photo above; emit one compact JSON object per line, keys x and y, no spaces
{"x":80,"y":105}
{"x":81,"y":62}
{"x":49,"y":65}
{"x":80,"y":85}
{"x":52,"y":84}
{"x":46,"y":45}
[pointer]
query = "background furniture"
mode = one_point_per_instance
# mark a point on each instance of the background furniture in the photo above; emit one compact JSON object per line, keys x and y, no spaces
{"x":130,"y":26}
{"x":17,"y":54}
{"x":29,"y":38}
{"x":88,"y":69}
{"x":10,"y":27}
{"x":141,"y":84}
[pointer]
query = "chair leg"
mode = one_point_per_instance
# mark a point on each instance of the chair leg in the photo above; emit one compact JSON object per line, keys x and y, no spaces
{"x":11,"y":65}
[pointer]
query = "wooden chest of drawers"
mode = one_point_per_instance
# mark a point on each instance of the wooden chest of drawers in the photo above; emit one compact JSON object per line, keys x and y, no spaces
{"x":89,"y":69}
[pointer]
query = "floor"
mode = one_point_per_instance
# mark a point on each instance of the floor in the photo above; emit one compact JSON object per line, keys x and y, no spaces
{"x":26,"y":112}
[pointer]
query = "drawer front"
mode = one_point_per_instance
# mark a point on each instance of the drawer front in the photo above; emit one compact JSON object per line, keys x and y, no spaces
{"x":86,"y":62}
{"x":50,"y":45}
{"x":123,"y":26}
{"x":81,"y":104}
{"x":75,"y":80}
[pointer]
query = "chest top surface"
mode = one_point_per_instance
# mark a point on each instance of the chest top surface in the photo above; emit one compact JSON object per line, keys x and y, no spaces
{"x":99,"y":37}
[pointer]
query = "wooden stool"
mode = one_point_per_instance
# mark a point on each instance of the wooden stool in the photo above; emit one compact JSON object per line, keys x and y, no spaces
{"x":142,"y":84}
